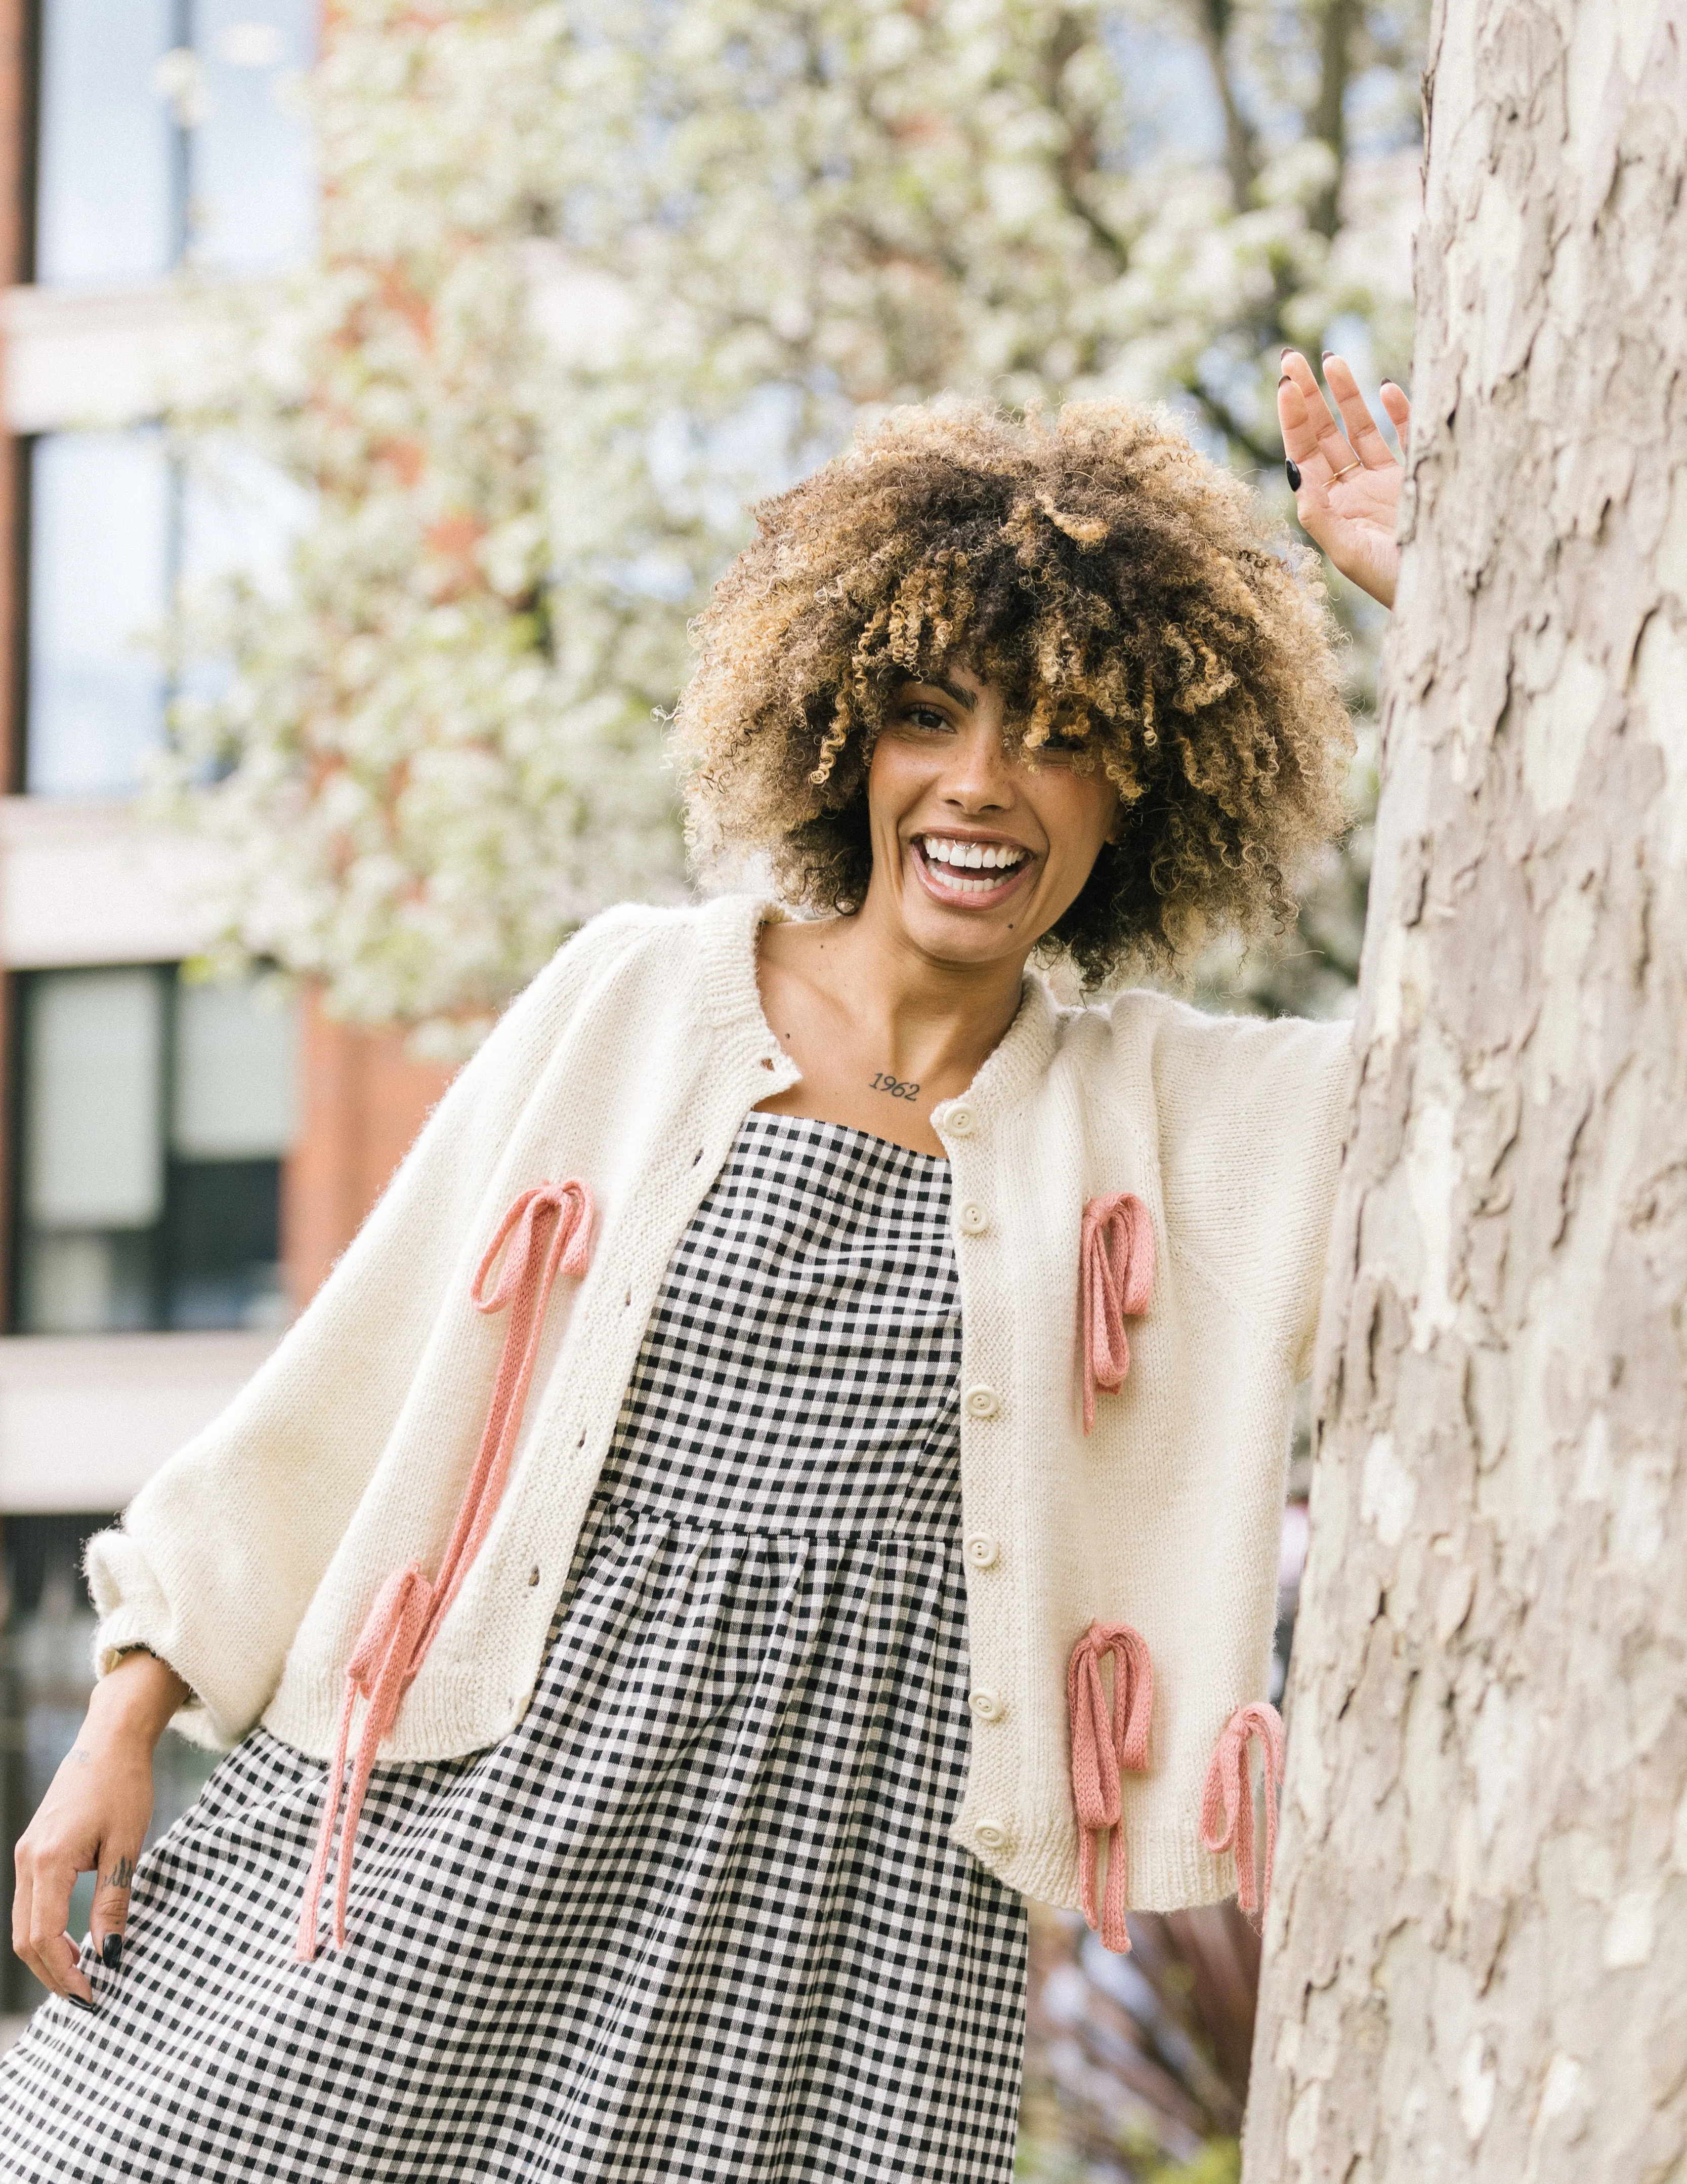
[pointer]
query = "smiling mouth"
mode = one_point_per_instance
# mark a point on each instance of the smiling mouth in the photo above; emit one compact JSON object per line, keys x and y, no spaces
{"x":968,"y":871}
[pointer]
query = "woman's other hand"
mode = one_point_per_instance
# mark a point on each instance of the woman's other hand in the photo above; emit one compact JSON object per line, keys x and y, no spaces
{"x":1346,"y":481}
{"x":93,"y":1819}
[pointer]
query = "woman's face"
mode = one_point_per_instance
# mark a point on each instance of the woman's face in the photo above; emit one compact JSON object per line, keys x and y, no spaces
{"x":976,"y":854}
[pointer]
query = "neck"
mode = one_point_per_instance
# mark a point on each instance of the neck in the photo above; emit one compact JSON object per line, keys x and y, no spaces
{"x":932,"y":1018}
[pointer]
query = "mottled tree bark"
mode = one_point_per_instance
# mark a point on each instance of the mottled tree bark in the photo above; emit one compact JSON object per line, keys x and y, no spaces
{"x":1477,"y":1966}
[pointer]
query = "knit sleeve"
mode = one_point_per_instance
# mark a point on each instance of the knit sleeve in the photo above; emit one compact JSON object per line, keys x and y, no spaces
{"x":219,"y":1555}
{"x":1252,"y":1117}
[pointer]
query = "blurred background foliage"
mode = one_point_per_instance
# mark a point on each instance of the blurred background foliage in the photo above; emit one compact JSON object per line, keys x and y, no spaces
{"x":594,"y":277}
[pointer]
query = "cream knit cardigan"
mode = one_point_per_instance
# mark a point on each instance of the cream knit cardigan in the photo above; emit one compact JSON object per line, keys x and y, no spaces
{"x":249,"y":1561}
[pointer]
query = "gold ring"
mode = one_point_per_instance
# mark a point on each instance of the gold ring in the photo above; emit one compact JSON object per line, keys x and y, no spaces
{"x":1355,"y":464}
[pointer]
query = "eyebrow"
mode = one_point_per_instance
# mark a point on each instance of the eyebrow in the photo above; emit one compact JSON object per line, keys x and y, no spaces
{"x":964,"y":699}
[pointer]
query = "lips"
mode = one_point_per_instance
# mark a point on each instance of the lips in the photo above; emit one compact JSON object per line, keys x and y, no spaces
{"x":976,"y":875}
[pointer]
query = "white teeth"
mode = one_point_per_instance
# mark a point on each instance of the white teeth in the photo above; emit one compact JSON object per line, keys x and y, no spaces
{"x":958,"y":857}
{"x":973,"y":856}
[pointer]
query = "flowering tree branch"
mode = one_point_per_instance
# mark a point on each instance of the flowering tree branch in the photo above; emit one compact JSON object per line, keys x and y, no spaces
{"x":594,"y":275}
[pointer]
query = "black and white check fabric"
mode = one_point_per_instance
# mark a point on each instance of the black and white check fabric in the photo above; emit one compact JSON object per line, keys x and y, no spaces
{"x":699,"y":1915}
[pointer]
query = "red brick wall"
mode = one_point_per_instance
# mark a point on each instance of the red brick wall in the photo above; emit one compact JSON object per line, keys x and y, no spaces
{"x":365,"y":1100}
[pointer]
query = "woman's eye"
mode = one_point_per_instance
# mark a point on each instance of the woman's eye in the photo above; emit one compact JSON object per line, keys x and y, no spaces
{"x":925,"y":716}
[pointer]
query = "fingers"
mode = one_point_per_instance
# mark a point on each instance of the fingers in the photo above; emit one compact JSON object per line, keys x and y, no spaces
{"x":110,"y":1913}
{"x":1400,"y":411}
{"x":56,"y":1961}
{"x":40,"y":1909}
{"x":1301,"y":410}
{"x":1363,"y":435}
{"x":1311,"y":434}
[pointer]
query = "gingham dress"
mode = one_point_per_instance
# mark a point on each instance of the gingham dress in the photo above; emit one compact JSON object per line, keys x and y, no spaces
{"x":699,"y":1915}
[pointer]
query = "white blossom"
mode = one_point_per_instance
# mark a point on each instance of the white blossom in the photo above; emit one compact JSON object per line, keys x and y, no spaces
{"x":594,"y":274}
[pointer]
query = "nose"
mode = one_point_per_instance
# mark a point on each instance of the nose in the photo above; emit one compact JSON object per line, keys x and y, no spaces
{"x":979,"y":775}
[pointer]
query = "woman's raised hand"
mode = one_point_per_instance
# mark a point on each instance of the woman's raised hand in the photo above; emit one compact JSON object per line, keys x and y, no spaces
{"x":1346,"y":481}
{"x":93,"y":1819}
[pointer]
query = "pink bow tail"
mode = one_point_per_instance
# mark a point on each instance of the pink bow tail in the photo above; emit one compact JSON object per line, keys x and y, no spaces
{"x":1107,"y":1742}
{"x":381,"y":1667}
{"x":546,"y":1232}
{"x":1228,"y":1798}
{"x":1117,"y":1275}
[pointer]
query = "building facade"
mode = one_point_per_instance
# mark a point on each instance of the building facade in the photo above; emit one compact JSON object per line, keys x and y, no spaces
{"x":180,"y":1162}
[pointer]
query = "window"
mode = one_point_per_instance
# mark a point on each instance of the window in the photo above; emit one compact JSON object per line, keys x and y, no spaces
{"x":100,"y":534}
{"x":170,"y":133}
{"x":252,"y":204}
{"x":107,"y":189}
{"x":116,"y":523}
{"x":155,"y":1114}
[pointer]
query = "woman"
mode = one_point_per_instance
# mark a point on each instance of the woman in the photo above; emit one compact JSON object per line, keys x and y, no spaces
{"x":729,"y":1692}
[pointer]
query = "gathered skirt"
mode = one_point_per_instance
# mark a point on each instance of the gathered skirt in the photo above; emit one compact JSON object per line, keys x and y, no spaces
{"x":700,"y":1914}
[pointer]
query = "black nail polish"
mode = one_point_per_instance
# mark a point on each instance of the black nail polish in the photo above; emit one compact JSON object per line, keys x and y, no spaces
{"x":86,"y":2006}
{"x":111,"y":1952}
{"x":1294,"y":471}
{"x":1283,"y":382}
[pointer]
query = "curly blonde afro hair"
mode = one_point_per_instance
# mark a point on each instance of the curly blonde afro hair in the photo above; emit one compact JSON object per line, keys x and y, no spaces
{"x":1122,"y":590}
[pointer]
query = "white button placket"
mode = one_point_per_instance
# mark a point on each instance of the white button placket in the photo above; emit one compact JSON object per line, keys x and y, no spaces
{"x":982,"y":1405}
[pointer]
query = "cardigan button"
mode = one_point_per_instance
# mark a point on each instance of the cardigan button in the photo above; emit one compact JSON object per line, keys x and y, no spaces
{"x":982,"y":1402}
{"x":983,"y":1549}
{"x":959,"y":1122}
{"x":974,"y":1219}
{"x":988,"y":1706}
{"x":992,"y":1835}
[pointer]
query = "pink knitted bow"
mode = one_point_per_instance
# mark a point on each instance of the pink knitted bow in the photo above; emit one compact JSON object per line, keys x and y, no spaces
{"x":1102,"y":1748}
{"x":1118,"y":1281}
{"x":1230,"y":1791}
{"x":410,"y":1607}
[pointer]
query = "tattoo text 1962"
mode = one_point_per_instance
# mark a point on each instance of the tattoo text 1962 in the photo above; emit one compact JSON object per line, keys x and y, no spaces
{"x":898,"y":1087}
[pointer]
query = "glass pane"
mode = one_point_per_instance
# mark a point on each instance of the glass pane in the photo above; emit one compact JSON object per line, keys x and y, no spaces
{"x":107,"y":211}
{"x":78,"y":1283}
{"x":93,"y":1055}
{"x":241,"y":515}
{"x":236,"y":1074}
{"x":224,"y":1244}
{"x":99,"y":559}
{"x":253,"y":200}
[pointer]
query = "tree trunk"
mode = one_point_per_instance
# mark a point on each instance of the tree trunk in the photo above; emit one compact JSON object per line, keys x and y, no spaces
{"x":1477,"y":1962}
